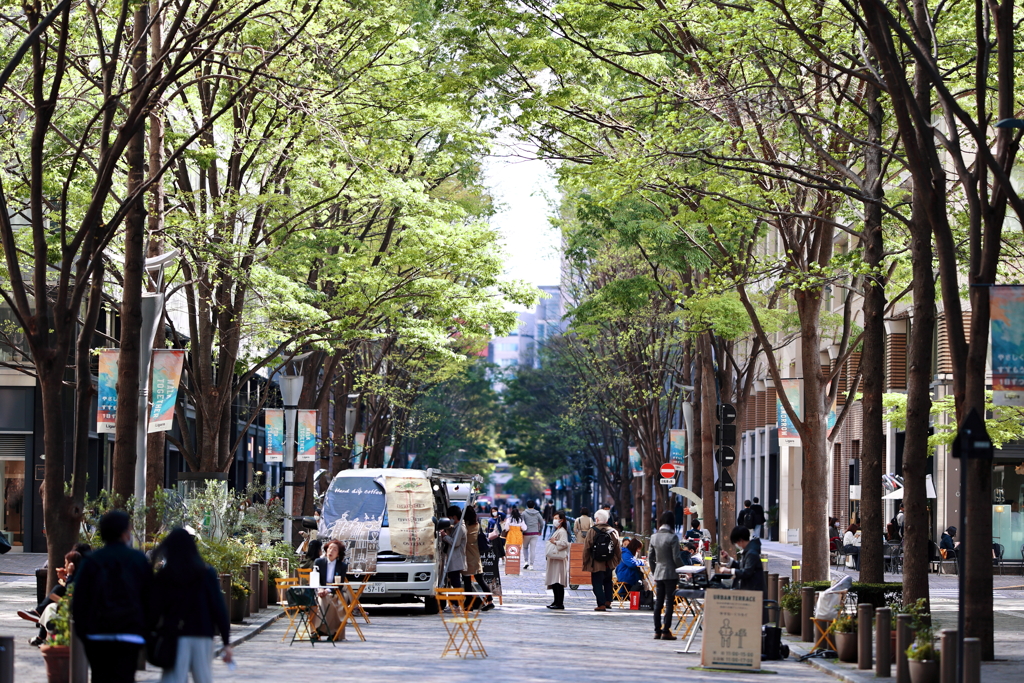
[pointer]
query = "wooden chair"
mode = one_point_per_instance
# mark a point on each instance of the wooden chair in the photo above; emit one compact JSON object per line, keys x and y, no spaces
{"x":460,"y":626}
{"x":290,"y":611}
{"x":824,"y":626}
{"x":303,"y":576}
{"x":620,"y":592}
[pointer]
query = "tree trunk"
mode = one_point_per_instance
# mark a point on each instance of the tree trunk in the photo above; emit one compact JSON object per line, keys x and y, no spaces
{"x":707,"y":438}
{"x":61,"y":526}
{"x":872,"y":363}
{"x":128,"y":380}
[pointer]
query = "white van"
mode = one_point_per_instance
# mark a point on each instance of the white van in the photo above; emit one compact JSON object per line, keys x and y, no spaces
{"x":356,"y":510}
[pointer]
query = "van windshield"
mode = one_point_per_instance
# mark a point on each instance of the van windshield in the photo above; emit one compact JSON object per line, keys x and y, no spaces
{"x":360,"y":498}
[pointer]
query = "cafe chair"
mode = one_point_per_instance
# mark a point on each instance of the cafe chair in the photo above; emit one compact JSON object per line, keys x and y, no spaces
{"x":823,"y":627}
{"x":620,"y":593}
{"x":460,"y":626}
{"x":290,"y":611}
{"x":303,"y":602}
{"x":303,"y":576}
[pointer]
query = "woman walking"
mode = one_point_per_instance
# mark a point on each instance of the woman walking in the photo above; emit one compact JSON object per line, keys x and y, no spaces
{"x":582,"y":525}
{"x":474,"y":567}
{"x":557,"y":555}
{"x":514,"y":525}
{"x":189,"y":604}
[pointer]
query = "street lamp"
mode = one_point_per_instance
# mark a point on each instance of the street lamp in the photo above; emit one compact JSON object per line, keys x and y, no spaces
{"x":152,"y":312}
{"x":291,"y":390}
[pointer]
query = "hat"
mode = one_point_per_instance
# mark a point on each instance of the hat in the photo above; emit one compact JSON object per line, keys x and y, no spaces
{"x":951,"y":531}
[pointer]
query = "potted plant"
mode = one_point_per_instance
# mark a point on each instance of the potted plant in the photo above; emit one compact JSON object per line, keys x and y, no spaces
{"x":923,"y":658}
{"x":239,"y":601}
{"x":844,"y":630}
{"x":790,"y":604}
{"x":57,"y":650}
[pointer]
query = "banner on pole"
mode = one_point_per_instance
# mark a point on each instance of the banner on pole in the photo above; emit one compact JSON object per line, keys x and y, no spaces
{"x":358,"y":439}
{"x":167,"y":364}
{"x":677,"y":447}
{"x":106,"y":402}
{"x":1006,"y":307}
{"x":635,"y":463}
{"x":305,"y":436}
{"x":275,"y":435}
{"x":788,"y":436}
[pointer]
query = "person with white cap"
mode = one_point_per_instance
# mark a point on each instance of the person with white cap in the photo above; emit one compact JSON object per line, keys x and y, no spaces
{"x":601,"y":553}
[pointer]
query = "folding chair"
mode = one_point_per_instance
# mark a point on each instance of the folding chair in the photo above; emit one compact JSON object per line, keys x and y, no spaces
{"x":290,"y":611}
{"x":460,"y":626}
{"x":620,"y":593}
{"x":304,"y":602}
{"x":686,"y":606}
{"x":824,"y":626}
{"x":303,"y":576}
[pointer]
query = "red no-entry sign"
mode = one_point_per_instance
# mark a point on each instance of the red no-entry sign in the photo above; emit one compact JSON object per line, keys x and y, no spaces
{"x":668,"y":470}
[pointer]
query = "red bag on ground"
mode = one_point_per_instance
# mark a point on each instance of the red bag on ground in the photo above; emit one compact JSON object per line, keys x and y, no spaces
{"x":634,"y":600}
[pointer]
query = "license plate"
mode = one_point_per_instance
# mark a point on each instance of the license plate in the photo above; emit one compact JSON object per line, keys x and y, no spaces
{"x":376,"y":587}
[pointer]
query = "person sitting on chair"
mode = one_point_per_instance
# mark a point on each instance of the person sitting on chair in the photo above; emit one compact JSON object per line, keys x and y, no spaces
{"x":851,"y":545}
{"x":628,"y":572}
{"x":947,"y":547}
{"x":332,"y":568}
{"x":746,"y":569}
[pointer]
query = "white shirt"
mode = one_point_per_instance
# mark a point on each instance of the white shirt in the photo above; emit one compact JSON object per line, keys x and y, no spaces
{"x":331,"y":564}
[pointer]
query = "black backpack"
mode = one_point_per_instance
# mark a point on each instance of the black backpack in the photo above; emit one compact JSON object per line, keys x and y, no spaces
{"x":604,"y":545}
{"x":482,"y":543}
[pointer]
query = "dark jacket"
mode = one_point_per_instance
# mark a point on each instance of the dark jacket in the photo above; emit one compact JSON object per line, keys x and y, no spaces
{"x":946,"y":542}
{"x":196,"y":606}
{"x":112,"y":591}
{"x":745,"y":518}
{"x":627,"y":570}
{"x":749,"y":574}
{"x":757,"y":514}
{"x":340,"y":569}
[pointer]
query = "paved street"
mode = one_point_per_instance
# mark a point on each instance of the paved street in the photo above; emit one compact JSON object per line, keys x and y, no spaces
{"x":525,"y":641}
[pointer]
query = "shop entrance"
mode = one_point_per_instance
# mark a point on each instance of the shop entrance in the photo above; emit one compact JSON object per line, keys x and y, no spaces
{"x":12,"y":499}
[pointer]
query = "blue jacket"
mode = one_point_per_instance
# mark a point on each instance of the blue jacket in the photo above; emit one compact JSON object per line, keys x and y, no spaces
{"x":628,"y":572}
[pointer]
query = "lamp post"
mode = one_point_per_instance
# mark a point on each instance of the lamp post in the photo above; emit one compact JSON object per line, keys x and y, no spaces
{"x":291,"y":389}
{"x":152,"y":312}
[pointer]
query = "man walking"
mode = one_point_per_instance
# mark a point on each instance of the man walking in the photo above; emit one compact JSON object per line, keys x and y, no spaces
{"x":757,"y":517}
{"x":531,"y":535}
{"x":665,"y":557}
{"x":111,"y":600}
{"x":743,"y":518}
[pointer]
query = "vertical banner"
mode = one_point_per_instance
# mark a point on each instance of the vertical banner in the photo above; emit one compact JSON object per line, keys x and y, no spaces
{"x":275,"y":435}
{"x":106,"y":402}
{"x":788,"y":436}
{"x":677,"y":447}
{"x":1006,"y":306}
{"x":635,"y":463}
{"x":358,"y":439}
{"x":833,"y":416}
{"x":305,"y":437}
{"x":167,"y":364}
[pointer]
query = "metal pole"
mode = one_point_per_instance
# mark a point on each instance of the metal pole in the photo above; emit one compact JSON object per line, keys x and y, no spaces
{"x":948,"y":661}
{"x":903,"y":639}
{"x":806,"y":614}
{"x":883,"y":643}
{"x":152,"y":311}
{"x":971,"y":669}
{"x":864,"y":635}
{"x":960,"y":676}
{"x":291,"y":390}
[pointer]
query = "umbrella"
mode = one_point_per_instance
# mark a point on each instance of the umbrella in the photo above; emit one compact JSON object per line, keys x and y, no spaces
{"x":696,"y":504}
{"x":929,"y":487}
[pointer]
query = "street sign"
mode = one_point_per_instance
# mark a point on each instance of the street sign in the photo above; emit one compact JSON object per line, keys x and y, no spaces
{"x":725,"y":482}
{"x":726,"y":413}
{"x":725,"y":435}
{"x":668,"y":481}
{"x":725,"y":456}
{"x":668,"y":470}
{"x":972,"y":439}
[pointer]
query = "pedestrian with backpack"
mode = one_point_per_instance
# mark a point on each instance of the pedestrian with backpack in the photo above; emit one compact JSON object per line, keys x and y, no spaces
{"x":111,"y":602}
{"x":601,"y":553}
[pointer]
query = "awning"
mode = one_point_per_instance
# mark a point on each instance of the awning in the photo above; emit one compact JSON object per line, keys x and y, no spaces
{"x":929,"y":488}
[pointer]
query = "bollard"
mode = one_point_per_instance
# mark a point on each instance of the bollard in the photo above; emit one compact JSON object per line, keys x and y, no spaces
{"x":6,"y":659}
{"x":773,"y":587}
{"x":904,"y":638}
{"x":864,"y":613}
{"x":806,"y":612}
{"x":264,"y":583}
{"x":225,"y":588}
{"x":947,"y":662}
{"x":972,"y":660}
{"x":883,"y":655}
{"x":79,"y":663}
{"x":796,"y":571}
{"x":254,"y":588}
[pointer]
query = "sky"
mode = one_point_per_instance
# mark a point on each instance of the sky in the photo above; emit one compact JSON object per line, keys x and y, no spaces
{"x":523,"y":189}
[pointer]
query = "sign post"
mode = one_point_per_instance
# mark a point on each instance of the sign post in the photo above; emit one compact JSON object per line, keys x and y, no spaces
{"x":668,"y":474}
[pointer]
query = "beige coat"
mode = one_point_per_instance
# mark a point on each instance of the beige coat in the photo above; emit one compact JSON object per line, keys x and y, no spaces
{"x":473,"y":564}
{"x":557,"y":571}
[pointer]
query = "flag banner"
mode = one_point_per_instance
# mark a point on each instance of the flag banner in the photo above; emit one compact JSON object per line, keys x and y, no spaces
{"x":833,"y":416}
{"x":106,"y":402}
{"x":305,"y":437}
{"x":358,"y":439}
{"x":167,"y":364}
{"x":788,"y":436}
{"x":275,"y":435}
{"x":677,"y":447}
{"x":1006,"y":307}
{"x":635,"y":463}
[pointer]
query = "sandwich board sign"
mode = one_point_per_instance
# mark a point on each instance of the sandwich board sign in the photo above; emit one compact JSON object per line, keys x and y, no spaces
{"x":732,"y":630}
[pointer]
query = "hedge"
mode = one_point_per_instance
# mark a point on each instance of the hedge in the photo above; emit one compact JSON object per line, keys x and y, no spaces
{"x":877,"y":594}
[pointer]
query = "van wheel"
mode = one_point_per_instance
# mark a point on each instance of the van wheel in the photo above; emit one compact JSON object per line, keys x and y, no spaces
{"x":430,"y":605}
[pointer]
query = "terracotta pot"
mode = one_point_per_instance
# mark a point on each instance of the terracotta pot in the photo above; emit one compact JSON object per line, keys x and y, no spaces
{"x":793,"y":624}
{"x":846,"y":646}
{"x":58,"y":662}
{"x":924,"y":671}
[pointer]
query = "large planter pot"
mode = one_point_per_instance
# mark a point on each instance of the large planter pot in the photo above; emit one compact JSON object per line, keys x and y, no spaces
{"x":792,"y":622}
{"x":238,"y":607}
{"x":58,"y":663}
{"x":846,"y":646}
{"x":924,"y":671}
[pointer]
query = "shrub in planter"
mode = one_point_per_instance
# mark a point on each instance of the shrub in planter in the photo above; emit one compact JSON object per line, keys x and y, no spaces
{"x":844,"y":631}
{"x":239,"y":600}
{"x":923,"y":658}
{"x":57,"y":650}
{"x":790,"y":602}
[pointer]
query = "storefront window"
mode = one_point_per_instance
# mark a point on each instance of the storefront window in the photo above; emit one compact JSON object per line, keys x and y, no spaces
{"x":1007,"y":495}
{"x":12,"y":488}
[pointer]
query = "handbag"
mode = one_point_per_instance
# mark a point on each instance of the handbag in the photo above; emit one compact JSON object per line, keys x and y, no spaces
{"x":162,"y":645}
{"x":553,"y":553}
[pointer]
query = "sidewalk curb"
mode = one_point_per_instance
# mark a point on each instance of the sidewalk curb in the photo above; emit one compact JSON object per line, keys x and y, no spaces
{"x":252,"y":633}
{"x":799,"y":648}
